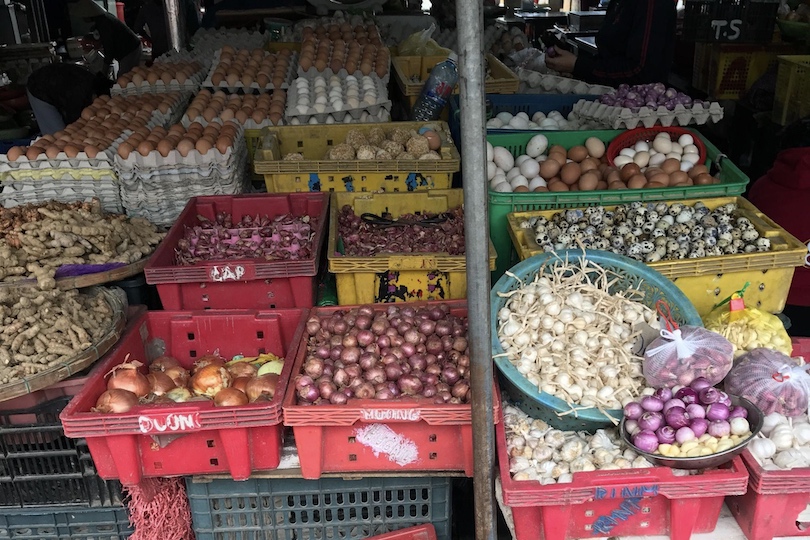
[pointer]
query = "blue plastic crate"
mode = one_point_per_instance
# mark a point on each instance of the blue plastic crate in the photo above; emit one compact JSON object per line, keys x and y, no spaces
{"x":329,"y":508}
{"x":60,"y":523}
{"x":515,"y":103}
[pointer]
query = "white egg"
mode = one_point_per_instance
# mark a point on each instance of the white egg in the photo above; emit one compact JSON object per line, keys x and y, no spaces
{"x":549,"y":124}
{"x":530,"y":168}
{"x":642,"y":146}
{"x":555,"y":115}
{"x":519,"y":180}
{"x":352,"y":103}
{"x":685,"y":140}
{"x":538,"y":117}
{"x":503,"y":158}
{"x":330,"y":119}
{"x":319,"y":107}
{"x":349,"y":78}
{"x":523,"y":115}
{"x":313,"y":120}
{"x":690,"y":149}
{"x":503,"y":187}
{"x":676,"y":148}
{"x":520,"y":159}
{"x":370,"y":100}
{"x":533,"y":125}
{"x":673,"y":155}
{"x":512,"y":173}
{"x":348,"y":119}
{"x":691,"y":158}
{"x":641,"y":158}
{"x":302,"y":109}
{"x":536,"y":182}
{"x":365,"y":117}
{"x":295,"y":122}
{"x":494,"y":123}
{"x":491,"y":169}
{"x":504,"y":117}
{"x":320,"y":100}
{"x":657,"y":159}
{"x":519,"y":123}
{"x":490,"y":151}
{"x":629,"y":152}
{"x":497,"y":179}
{"x":663,"y":144}
{"x":621,"y":161}
{"x":686,"y":166}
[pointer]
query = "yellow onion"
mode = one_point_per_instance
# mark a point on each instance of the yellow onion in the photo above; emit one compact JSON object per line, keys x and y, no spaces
{"x":127,"y":377}
{"x":181,"y":394}
{"x":262,"y":386}
{"x":163,"y":363}
{"x":160,"y":383}
{"x":230,"y":397}
{"x":208,"y":360}
{"x":115,"y":401}
{"x":178,"y":374}
{"x":240,"y":383}
{"x":242,"y":369}
{"x":209,"y":380}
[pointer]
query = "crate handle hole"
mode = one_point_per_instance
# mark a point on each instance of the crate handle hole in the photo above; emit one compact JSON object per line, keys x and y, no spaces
{"x":272,"y":306}
{"x":209,"y":444}
{"x":190,"y":336}
{"x":646,"y":510}
{"x":432,"y":438}
{"x":192,"y":353}
{"x":433,"y":455}
{"x":262,"y":350}
{"x":206,"y":308}
{"x":158,"y":465}
{"x":352,"y":440}
{"x":717,"y":291}
{"x":762,"y":286}
{"x":205,"y":298}
{"x":260,"y":334}
{"x":645,"y":524}
{"x":214,"y":462}
{"x":352,"y":457}
{"x":588,"y":513}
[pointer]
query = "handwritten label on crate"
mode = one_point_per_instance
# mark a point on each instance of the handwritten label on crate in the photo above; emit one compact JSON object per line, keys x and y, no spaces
{"x":404,"y":415}
{"x":169,"y":422}
{"x":726,"y":30}
{"x":628,"y":507}
{"x":229,"y":272}
{"x":382,"y":440}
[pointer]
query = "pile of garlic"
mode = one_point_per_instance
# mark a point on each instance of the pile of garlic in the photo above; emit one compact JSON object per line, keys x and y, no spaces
{"x":783,"y":443}
{"x":550,"y":456}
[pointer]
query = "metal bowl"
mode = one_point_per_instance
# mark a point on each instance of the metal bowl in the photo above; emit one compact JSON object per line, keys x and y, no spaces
{"x":755,"y":419}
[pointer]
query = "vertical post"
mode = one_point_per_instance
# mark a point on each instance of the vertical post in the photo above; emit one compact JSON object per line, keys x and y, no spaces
{"x":470,"y":23}
{"x":175,"y":22}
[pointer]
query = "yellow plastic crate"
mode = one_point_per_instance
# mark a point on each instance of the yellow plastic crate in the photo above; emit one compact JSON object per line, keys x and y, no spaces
{"x":397,"y":277}
{"x":314,"y":173}
{"x":792,"y":99}
{"x":708,"y":280}
{"x":727,"y":70}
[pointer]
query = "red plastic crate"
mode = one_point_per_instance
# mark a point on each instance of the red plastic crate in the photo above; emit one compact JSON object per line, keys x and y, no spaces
{"x":413,"y":435}
{"x":618,"y":503}
{"x":195,"y":437}
{"x":420,"y":532}
{"x":774,"y":500}
{"x":244,"y":283}
{"x":801,"y":347}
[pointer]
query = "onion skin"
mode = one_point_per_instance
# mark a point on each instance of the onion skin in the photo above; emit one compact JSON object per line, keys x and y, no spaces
{"x":230,"y":397}
{"x":163,"y":363}
{"x":115,"y":401}
{"x":207,"y":360}
{"x":265,"y":385}
{"x":179,"y":375}
{"x":160,"y":383}
{"x":127,"y":377}
{"x":209,"y":380}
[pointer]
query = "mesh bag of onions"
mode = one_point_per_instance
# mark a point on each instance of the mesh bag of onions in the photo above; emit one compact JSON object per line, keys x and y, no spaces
{"x":774,"y":382}
{"x":682,"y":354}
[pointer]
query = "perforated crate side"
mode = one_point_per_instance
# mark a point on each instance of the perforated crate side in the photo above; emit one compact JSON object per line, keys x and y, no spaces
{"x":295,"y":509}
{"x":60,"y":523}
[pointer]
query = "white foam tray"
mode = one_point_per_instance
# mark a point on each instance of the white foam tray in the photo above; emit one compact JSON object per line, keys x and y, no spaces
{"x":624,"y":118}
{"x":534,"y":82}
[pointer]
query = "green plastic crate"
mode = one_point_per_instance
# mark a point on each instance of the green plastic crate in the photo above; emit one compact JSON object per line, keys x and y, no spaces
{"x":329,"y":508}
{"x":732,"y":183}
{"x":65,"y":523}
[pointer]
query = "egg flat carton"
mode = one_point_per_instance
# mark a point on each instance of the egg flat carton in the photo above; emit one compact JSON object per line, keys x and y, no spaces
{"x":102,"y":161}
{"x":207,"y":40}
{"x":354,"y":20}
{"x":192,"y":84}
{"x":17,"y":194}
{"x":212,"y":172}
{"x":254,"y":88}
{"x":326,"y":73}
{"x":622,"y":117}
{"x":166,"y":212}
{"x":380,"y":88}
{"x":249,"y":124}
{"x":172,"y":197}
{"x":384,"y":115}
{"x":546,"y":83}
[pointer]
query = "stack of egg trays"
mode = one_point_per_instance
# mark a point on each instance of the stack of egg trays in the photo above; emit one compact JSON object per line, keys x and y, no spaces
{"x":382,"y":104}
{"x":254,"y":88}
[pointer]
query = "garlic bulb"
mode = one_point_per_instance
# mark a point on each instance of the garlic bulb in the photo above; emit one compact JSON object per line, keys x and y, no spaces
{"x":762,"y":448}
{"x":790,"y":459}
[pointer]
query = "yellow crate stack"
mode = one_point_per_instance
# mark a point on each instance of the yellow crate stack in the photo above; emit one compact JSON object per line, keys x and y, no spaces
{"x":792,"y":99}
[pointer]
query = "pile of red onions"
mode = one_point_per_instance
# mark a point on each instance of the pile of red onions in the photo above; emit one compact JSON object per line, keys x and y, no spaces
{"x":285,"y":237}
{"x":685,"y":415}
{"x":394,"y":353}
{"x":167,"y":382}
{"x":651,"y":95}
{"x":363,"y":239}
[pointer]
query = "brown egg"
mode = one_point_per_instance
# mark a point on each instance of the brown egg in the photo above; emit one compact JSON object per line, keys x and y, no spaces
{"x":434,"y":140}
{"x":14,"y":153}
{"x":557,"y":148}
{"x":652,"y":171}
{"x":145,"y":148}
{"x":613,"y":176}
{"x":382,"y":69}
{"x":655,"y":185}
{"x":589,"y":164}
{"x":602,"y":185}
{"x":636,"y":181}
{"x":164,"y":147}
{"x":240,"y":116}
{"x":617,"y":185}
{"x":203,"y":145}
{"x":223,"y":144}
{"x":152,"y":78}
{"x":365,"y":67}
{"x":541,"y":189}
{"x":670,"y":165}
{"x":91,"y":151}
{"x":661,"y":178}
{"x":33,"y":152}
{"x":629,"y":171}
{"x":588,"y":181}
{"x":185,"y":146}
{"x":577,"y":153}
{"x":559,"y":157}
{"x":558,"y":186}
{"x":125,"y":149}
{"x":678,"y":178}
{"x":52,"y":152}
{"x":570,"y":173}
{"x":246,"y":80}
{"x":703,"y":179}
{"x":697,"y":170}
{"x":521,"y":189}
{"x":320,"y":63}
{"x":549,"y":169}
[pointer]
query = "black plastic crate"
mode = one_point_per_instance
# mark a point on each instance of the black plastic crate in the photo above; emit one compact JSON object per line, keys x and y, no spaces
{"x":59,"y":523}
{"x":729,"y":21}
{"x":39,"y":466}
{"x":325,"y":509}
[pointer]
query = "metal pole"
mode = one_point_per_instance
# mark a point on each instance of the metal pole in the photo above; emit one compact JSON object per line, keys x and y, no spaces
{"x":175,"y":14}
{"x":470,"y":25}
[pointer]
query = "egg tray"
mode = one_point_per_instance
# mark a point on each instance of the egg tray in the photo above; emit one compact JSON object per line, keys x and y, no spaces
{"x":203,"y":169}
{"x":191,"y":85}
{"x":356,"y":112}
{"x":249,"y":124}
{"x":384,"y":115}
{"x":546,"y":83}
{"x":297,"y":31}
{"x":19,"y":193}
{"x":254,"y":88}
{"x":161,"y":187}
{"x":326,"y":73}
{"x":623,"y":118}
{"x":204,"y":175}
{"x":205,"y":40}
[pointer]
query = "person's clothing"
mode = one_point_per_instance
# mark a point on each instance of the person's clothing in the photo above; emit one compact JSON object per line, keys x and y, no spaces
{"x":799,"y":320}
{"x":66,"y":87}
{"x":636,"y":44}
{"x":783,"y":195}
{"x":49,"y":119}
{"x":131,"y":60}
{"x":116,"y":38}
{"x":153,"y":18}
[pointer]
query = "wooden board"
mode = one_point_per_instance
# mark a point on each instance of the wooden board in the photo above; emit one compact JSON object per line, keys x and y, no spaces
{"x":85,"y":358}
{"x":86,"y":280}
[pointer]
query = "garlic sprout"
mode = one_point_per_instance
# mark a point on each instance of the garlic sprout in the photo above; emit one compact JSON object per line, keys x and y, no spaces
{"x":568,"y":335}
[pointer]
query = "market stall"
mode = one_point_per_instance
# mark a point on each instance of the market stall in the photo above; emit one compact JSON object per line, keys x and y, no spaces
{"x":407,"y":275}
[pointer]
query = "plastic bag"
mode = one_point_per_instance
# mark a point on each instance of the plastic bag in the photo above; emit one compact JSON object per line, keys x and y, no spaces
{"x":774,"y":382}
{"x":421,"y":44}
{"x":747,"y":328}
{"x":682,"y":354}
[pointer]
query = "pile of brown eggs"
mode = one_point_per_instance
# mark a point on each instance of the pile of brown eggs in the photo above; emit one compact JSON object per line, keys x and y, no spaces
{"x":238,"y":107}
{"x":100,"y":124}
{"x":340,"y":54}
{"x":248,"y":66}
{"x":359,"y":33}
{"x":167,"y":72}
{"x":214,"y":136}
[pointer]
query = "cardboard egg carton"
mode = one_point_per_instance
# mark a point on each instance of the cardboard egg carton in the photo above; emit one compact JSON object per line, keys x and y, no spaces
{"x":382,"y":102}
{"x":611,"y":117}
{"x":17,"y":193}
{"x":534,"y":82}
{"x":384,"y":115}
{"x":254,"y":87}
{"x":192,"y":85}
{"x":249,"y":124}
{"x":312,"y":72}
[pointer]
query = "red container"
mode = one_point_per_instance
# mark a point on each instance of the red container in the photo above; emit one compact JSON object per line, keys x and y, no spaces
{"x":195,"y":437}
{"x":618,"y":503}
{"x":801,"y":347}
{"x":420,"y":532}
{"x":774,"y":500}
{"x":242,"y":283}
{"x":632,"y":136}
{"x":372,"y":435}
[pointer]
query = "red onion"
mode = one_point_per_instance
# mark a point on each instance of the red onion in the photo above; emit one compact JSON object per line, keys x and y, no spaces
{"x":633,"y":410}
{"x":375,"y":375}
{"x":350,"y":341}
{"x":323,"y":352}
{"x":353,"y":371}
{"x":460,"y":389}
{"x":651,"y":421}
{"x":664,"y":394}
{"x":314,"y":367}
{"x":717,"y":411}
{"x":384,"y":342}
{"x":443,"y":328}
{"x":700,"y":383}
{"x":433,"y":369}
{"x":335,"y":353}
{"x":427,"y":326}
{"x":408,"y":349}
{"x":652,"y":403}
{"x":384,"y":394}
{"x":433,"y":345}
{"x":674,"y":402}
{"x":367,"y":361}
{"x":699,"y":426}
{"x":340,"y":377}
{"x":351,"y":355}
{"x":429,"y":391}
{"x":313,"y":326}
{"x":340,"y":327}
{"x":646,"y":441}
{"x":379,"y":326}
{"x":687,"y":395}
{"x":709,"y":395}
{"x":364,"y":391}
{"x":666,"y":435}
{"x":327,"y":389}
{"x":366,"y":311}
{"x":417,"y":361}
{"x":308,"y":393}
{"x":410,"y":385}
{"x":303,"y":381}
{"x":339,"y":398}
{"x":676,"y":417}
{"x":362,"y":321}
{"x":460,"y":344}
{"x":684,"y":434}
{"x":365,"y":338}
{"x":447,"y":343}
{"x":695,"y":411}
{"x":393,"y":372}
{"x":738,"y":412}
{"x":450,"y":375}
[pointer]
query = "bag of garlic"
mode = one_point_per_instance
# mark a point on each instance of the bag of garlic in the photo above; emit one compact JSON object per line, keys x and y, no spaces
{"x":774,"y":382}
{"x":747,"y":328}
{"x":683,"y":353}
